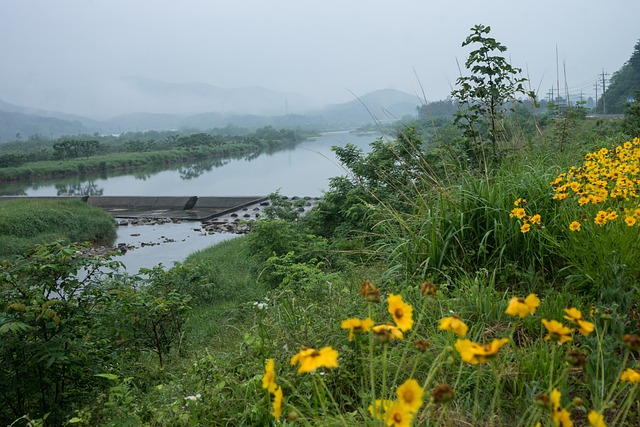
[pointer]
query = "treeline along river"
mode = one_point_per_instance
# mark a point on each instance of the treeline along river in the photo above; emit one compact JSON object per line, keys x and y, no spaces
{"x":304,"y":170}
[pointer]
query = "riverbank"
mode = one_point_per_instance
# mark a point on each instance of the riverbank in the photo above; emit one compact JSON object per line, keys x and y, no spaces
{"x":25,"y":223}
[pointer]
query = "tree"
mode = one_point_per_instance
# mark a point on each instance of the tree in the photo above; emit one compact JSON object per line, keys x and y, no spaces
{"x":483,"y":96}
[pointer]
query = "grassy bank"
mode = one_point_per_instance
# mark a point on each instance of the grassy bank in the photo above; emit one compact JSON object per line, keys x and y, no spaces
{"x":116,"y":161}
{"x":25,"y":223}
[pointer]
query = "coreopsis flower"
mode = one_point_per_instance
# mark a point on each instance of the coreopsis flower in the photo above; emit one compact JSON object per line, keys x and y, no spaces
{"x":269,"y":378}
{"x":556,"y":331}
{"x":525,"y":228}
{"x":310,"y":359}
{"x":574,"y":316}
{"x":475,"y":353}
{"x":442,"y":393}
{"x":559,"y":415}
{"x":596,"y":419}
{"x":575,"y":226}
{"x":535,"y":219}
{"x":518,"y":213}
{"x":630,"y":221}
{"x":410,"y":395}
{"x":277,"y":403}
{"x":455,"y":325}
{"x":399,"y":416}
{"x":369,"y":291}
{"x":380,"y":408}
{"x":401,"y":311}
{"x":630,"y":375}
{"x":519,"y":201}
{"x":356,"y":325}
{"x":383,"y":333}
{"x":523,"y":306}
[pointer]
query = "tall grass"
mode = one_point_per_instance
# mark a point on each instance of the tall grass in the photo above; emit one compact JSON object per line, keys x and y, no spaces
{"x":25,"y":223}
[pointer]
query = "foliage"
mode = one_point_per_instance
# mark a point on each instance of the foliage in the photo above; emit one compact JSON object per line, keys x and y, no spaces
{"x":72,"y":149}
{"x":24,"y":223}
{"x":49,"y":348}
{"x":631,"y":123}
{"x":485,"y":94}
{"x":624,"y":83}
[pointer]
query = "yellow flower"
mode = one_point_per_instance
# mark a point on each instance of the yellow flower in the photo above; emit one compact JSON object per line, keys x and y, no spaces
{"x":630,"y":375}
{"x":574,"y":316}
{"x":559,"y":415}
{"x":585,"y":328}
{"x":455,"y":325}
{"x":401,"y":311}
{"x":536,"y":219}
{"x":612,"y":215}
{"x":399,"y":416}
{"x":380,"y":408}
{"x":384,"y":333}
{"x":356,"y":325}
{"x":523,"y":306}
{"x":518,"y":213}
{"x":596,"y":419}
{"x":475,"y":353}
{"x":269,"y":378}
{"x":525,"y":228}
{"x":557,"y":331}
{"x":410,"y":395}
{"x":277,"y":403}
{"x":519,"y":202}
{"x":311,"y":359}
{"x":631,"y":221}
{"x":574,"y":226}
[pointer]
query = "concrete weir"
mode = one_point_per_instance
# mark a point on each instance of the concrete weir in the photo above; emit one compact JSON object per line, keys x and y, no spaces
{"x":172,"y":207}
{"x":208,"y":209}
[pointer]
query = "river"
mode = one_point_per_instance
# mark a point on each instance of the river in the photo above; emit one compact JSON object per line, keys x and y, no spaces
{"x":301,"y":171}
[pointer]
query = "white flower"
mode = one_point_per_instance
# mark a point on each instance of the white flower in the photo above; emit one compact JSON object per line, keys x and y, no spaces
{"x":193,"y":398}
{"x":260,"y":305}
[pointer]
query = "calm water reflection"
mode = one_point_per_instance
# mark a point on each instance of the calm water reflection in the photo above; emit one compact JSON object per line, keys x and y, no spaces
{"x":301,"y":171}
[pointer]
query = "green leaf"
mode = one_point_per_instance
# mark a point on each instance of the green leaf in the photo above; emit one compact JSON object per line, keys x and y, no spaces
{"x":113,"y":377}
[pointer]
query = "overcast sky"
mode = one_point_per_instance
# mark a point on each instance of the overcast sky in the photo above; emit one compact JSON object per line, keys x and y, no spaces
{"x":71,"y":55}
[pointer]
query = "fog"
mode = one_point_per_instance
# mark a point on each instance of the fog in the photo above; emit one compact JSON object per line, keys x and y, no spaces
{"x":104,"y":58}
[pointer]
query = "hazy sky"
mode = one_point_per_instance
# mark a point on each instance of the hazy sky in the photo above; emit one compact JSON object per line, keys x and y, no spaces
{"x":72,"y":55}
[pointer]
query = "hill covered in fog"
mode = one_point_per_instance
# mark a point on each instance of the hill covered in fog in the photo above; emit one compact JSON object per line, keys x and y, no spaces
{"x":201,"y":106}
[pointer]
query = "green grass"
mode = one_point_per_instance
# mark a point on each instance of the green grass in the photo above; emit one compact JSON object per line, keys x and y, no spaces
{"x":25,"y":223}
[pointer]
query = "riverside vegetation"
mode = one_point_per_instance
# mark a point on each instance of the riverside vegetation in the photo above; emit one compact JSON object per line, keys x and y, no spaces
{"x":482,"y":273}
{"x":39,"y":157}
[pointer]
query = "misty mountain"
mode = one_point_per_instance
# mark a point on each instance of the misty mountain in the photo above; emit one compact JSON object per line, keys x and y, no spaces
{"x":379,"y":106}
{"x":190,"y":98}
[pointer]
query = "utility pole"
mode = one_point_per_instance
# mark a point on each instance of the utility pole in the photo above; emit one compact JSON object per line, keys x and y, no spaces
{"x":596,"y":93}
{"x":550,"y":94}
{"x":604,"y":98}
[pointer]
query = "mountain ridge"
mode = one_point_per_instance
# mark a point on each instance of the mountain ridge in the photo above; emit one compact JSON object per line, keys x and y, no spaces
{"x":19,"y":122}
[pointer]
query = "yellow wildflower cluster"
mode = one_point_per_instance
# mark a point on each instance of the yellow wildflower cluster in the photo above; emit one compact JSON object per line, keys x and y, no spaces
{"x":520,"y":213}
{"x":560,"y":333}
{"x":606,"y":176}
{"x":399,"y":412}
{"x":401,"y":312}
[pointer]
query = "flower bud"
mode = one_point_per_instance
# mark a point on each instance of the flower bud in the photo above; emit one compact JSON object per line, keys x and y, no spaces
{"x":442,"y":393}
{"x":631,"y":341}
